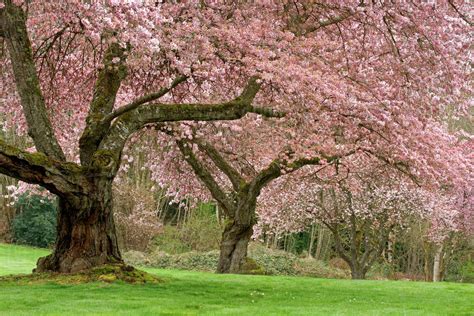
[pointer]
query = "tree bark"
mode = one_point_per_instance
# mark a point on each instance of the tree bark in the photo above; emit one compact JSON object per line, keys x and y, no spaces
{"x":234,"y":245}
{"x":86,"y":235}
{"x":357,"y":273}
{"x":437,"y":264}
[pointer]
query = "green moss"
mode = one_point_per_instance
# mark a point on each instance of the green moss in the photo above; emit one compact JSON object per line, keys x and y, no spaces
{"x":109,"y":278}
{"x":105,"y":273}
{"x":102,"y":158}
{"x":250,"y":266}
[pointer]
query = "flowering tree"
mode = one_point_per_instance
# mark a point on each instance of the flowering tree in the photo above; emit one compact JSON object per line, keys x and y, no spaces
{"x":81,"y":77}
{"x":55,"y":48}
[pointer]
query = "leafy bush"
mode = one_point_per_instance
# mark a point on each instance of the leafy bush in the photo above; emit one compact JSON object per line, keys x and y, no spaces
{"x":261,"y":261}
{"x":197,"y":261}
{"x":276,"y":262}
{"x":170,"y":241}
{"x":136,"y":218}
{"x":35,"y":222}
{"x":467,"y":272}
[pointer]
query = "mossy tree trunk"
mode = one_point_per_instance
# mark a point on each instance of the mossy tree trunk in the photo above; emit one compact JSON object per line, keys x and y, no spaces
{"x":86,"y":235}
{"x":234,"y":244}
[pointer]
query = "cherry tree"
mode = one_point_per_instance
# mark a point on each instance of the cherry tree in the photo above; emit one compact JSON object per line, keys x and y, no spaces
{"x":341,"y":76}
{"x":68,"y":61}
{"x":339,"y":98}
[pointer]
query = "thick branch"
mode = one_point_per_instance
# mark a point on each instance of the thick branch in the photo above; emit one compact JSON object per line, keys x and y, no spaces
{"x":267,"y":112}
{"x":61,"y":178}
{"x":13,"y":24}
{"x":235,"y":178}
{"x":105,"y":91}
{"x":274,"y":170}
{"x":204,"y":175}
{"x":130,"y":122}
{"x":142,"y":100}
{"x":2,"y":34}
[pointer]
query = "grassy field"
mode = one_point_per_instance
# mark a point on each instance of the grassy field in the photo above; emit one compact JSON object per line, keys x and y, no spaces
{"x":193,"y":293}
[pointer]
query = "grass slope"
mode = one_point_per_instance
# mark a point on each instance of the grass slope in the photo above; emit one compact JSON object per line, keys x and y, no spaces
{"x":194,"y":293}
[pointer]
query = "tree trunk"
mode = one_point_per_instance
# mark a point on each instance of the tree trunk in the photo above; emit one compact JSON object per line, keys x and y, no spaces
{"x":86,"y":235}
{"x":437,"y":264}
{"x":234,"y":244}
{"x":311,"y":241}
{"x":319,"y":245}
{"x":357,"y":273}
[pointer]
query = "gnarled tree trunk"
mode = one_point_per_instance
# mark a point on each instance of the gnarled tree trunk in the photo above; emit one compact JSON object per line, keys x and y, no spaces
{"x":86,"y":235}
{"x":234,"y":244}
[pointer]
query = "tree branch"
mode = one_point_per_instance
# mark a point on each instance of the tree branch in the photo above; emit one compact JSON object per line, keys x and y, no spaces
{"x":267,"y":112}
{"x":274,"y":170}
{"x":13,"y":26}
{"x":399,"y":165}
{"x":462,"y":15}
{"x":235,"y":178}
{"x":106,"y":87}
{"x":144,"y":99}
{"x":204,"y":175}
{"x":133,"y":120}
{"x":2,"y":33}
{"x":61,"y":178}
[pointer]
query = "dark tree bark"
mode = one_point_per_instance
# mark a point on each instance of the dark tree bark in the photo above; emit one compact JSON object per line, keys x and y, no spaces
{"x":358,"y":273}
{"x":86,"y":237}
{"x":234,"y":244}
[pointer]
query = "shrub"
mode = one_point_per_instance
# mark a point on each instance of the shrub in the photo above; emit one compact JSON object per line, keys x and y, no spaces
{"x":276,"y":262}
{"x":197,"y":261}
{"x":35,"y":222}
{"x":319,"y":269}
{"x":339,"y":263}
{"x":467,"y":272}
{"x":136,"y":218}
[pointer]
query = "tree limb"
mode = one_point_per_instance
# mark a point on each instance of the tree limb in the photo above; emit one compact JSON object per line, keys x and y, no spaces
{"x":106,"y":87}
{"x":61,"y":178}
{"x":235,"y":178}
{"x":204,"y":175}
{"x":462,"y":15}
{"x":274,"y":170}
{"x":13,"y":25}
{"x":142,"y":100}
{"x":133,"y":120}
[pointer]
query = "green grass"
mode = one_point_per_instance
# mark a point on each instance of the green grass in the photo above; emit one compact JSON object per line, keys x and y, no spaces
{"x":195,"y":293}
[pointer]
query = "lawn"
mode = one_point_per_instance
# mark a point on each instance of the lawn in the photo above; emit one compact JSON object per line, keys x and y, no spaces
{"x":195,"y":293}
